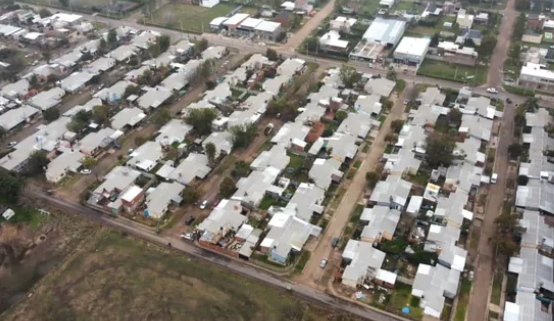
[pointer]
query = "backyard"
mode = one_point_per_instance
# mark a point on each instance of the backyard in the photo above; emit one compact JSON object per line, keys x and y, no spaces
{"x":402,"y":297}
{"x":472,"y":75}
{"x":115,"y":277}
{"x":188,"y":18}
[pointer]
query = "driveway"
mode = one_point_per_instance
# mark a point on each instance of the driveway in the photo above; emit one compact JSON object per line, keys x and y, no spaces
{"x":338,"y":221}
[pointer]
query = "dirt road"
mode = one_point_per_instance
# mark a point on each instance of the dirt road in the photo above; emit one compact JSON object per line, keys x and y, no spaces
{"x":308,"y":27}
{"x":340,"y":218}
{"x":495,"y":77}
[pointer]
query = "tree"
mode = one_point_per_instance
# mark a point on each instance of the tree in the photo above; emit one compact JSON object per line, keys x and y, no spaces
{"x":391,"y":74}
{"x":242,"y":169}
{"x":311,"y":44}
{"x":341,"y":115}
{"x":372,"y":178}
{"x":51,"y":114}
{"x":271,"y":54}
{"x":454,"y":117}
{"x":33,"y":81}
{"x":486,"y":48}
{"x":201,"y":120}
{"x":112,"y":38}
{"x":522,"y":180}
{"x":161,"y":117}
{"x":349,"y":76}
{"x":200,"y":46}
{"x":131,"y":90}
{"x":439,"y":150}
{"x":286,"y":108}
{"x":515,"y":150}
{"x":103,"y":46}
{"x":2,"y":132}
{"x":397,"y":125}
{"x":210,"y":151}
{"x":163,"y":42}
{"x":101,"y":115}
{"x":44,"y":13}
{"x":523,"y":5}
{"x":64,"y":3}
{"x":47,"y":55}
{"x":328,"y":132}
{"x":206,"y":69}
{"x":531,"y":105}
{"x":10,"y":188}
{"x":506,"y":222}
{"x":434,"y":40}
{"x":190,"y":195}
{"x":227,"y":187}
{"x":506,"y":245}
{"x":243,"y":134}
{"x":387,"y":104}
{"x":37,"y":162}
{"x":391,"y":138}
{"x":89,"y":162}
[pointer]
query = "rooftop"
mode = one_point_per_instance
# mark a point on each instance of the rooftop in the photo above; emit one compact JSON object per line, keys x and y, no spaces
{"x":61,"y":164}
{"x":154,"y":97}
{"x":380,"y":86}
{"x":165,"y":193}
{"x":394,"y":189}
{"x":306,"y":201}
{"x":381,"y":220}
{"x":365,"y":261}
{"x":253,"y":188}
{"x":413,"y":46}
{"x":146,"y":156}
{"x":384,"y":31}
{"x":127,"y":117}
{"x":174,"y":131}
{"x":96,"y":140}
{"x":325,"y":171}
{"x":47,"y":99}
{"x":224,"y":217}
{"x":119,"y":179}
{"x":192,"y":167}
{"x":223,"y":141}
{"x":16,"y":116}
{"x":357,"y":125}
{"x":275,"y":157}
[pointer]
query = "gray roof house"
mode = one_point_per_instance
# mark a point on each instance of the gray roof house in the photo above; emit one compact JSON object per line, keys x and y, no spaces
{"x":224,"y":217}
{"x":364,"y":261}
{"x":95,"y":141}
{"x":174,"y":131}
{"x":123,"y":52}
{"x":127,"y":117}
{"x":324,"y":172}
{"x":393,"y":191}
{"x":47,"y":99}
{"x":76,"y":81}
{"x":368,"y":105}
{"x":306,"y":201}
{"x":118,"y":180}
{"x":146,"y":156}
{"x":67,"y":161}
{"x":290,"y":132}
{"x":100,"y":65}
{"x":114,"y":93}
{"x":16,"y":89}
{"x":539,"y":119}
{"x":158,"y":201}
{"x":223,"y":142}
{"x":432,"y":96}
{"x":380,"y":86}
{"x":536,"y":232}
{"x":193,"y":167}
{"x":357,"y":125}
{"x":252,"y":189}
{"x":154,"y":97}
{"x":433,"y":284}
{"x":275,"y":157}
{"x":444,"y":239}
{"x":381,"y":223}
{"x":214,"y":52}
{"x":86,"y":107}
{"x":13,"y":117}
{"x":451,"y":209}
{"x":342,"y":147}
{"x":476,"y":126}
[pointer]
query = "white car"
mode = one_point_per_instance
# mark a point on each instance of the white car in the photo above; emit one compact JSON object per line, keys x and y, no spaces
{"x":492,"y":90}
{"x":323,"y":263}
{"x":85,"y":171}
{"x":187,"y":236}
{"x":204,"y":205}
{"x":494,"y":178}
{"x":12,"y":144}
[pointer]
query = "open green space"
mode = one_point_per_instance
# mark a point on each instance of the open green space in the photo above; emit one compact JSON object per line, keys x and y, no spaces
{"x":187,"y":17}
{"x":401,"y":298}
{"x":472,"y":75}
{"x":410,"y":7}
{"x":463,"y":300}
{"x":116,"y":277}
{"x":430,"y":31}
{"x":496,"y":288}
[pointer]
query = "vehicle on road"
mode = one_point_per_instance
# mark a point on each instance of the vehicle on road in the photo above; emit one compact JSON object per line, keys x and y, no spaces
{"x":190,"y":220}
{"x":370,"y":65}
{"x":204,"y":204}
{"x":12,"y":144}
{"x":335,"y":242}
{"x":406,"y":101}
{"x":85,"y":171}
{"x":508,"y":101}
{"x":323,"y":263}
{"x":187,"y":236}
{"x":492,"y":90}
{"x":494,"y":178}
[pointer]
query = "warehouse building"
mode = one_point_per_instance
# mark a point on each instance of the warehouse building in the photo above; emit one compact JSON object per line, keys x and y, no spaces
{"x":381,"y":34}
{"x":412,"y":51}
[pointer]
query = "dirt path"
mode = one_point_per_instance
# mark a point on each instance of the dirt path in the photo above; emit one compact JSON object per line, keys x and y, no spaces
{"x":495,"y":77}
{"x":308,"y":27}
{"x":312,"y":271}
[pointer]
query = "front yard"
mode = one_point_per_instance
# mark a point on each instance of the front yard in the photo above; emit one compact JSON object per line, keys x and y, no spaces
{"x":472,"y":75}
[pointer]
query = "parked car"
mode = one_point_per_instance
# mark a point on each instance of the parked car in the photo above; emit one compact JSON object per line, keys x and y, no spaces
{"x":85,"y":171}
{"x":335,"y":242}
{"x":187,"y":236}
{"x":492,"y":90}
{"x":494,"y":178}
{"x":204,"y":204}
{"x":323,"y":263}
{"x":12,"y":144}
{"x":189,"y":220}
{"x":508,"y":100}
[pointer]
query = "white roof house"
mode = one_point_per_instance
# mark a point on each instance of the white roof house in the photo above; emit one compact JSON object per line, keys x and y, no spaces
{"x":324,"y":172}
{"x":380,"y":86}
{"x":306,"y":201}
{"x":236,"y":19}
{"x":100,"y":65}
{"x":333,"y":40}
{"x":175,"y":81}
{"x":193,"y":167}
{"x":119,"y":179}
{"x":96,"y":140}
{"x":16,"y":89}
{"x":214,"y":52}
{"x":443,"y":239}
{"x":252,"y":189}
{"x":47,"y":99}
{"x":224,"y":217}
{"x":368,"y":105}
{"x":127,"y":117}
{"x":123,"y":52}
{"x":476,"y":126}
{"x":70,"y":59}
{"x":67,"y":161}
{"x":536,"y":230}
{"x":114,"y":93}
{"x":158,"y":201}
{"x":223,"y":142}
{"x":13,"y":117}
{"x":381,"y":223}
{"x":89,"y":106}
{"x":75,"y":81}
{"x":393,"y":191}
{"x":451,"y":209}
{"x":288,"y":132}
{"x":275,"y":157}
{"x":432,"y":96}
{"x":364,"y":263}
{"x":145,"y":39}
{"x":146,"y":156}
{"x":385,"y":31}
{"x":411,"y":49}
{"x":342,"y":147}
{"x":154,"y":97}
{"x":357,"y":125}
{"x":174,"y":131}
{"x":433,"y":284}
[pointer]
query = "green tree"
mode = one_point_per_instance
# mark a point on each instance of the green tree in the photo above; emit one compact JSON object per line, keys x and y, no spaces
{"x":210,"y":151}
{"x":271,"y":54}
{"x":506,"y":222}
{"x":391,"y":74}
{"x":522,"y":180}
{"x":454,"y":117}
{"x":523,"y":5}
{"x":243,"y":134}
{"x":341,"y":115}
{"x":287,"y":109}
{"x":242,"y":169}
{"x":64,"y":3}
{"x":190,"y":195}
{"x":435,"y":40}
{"x":200,"y":46}
{"x":51,"y":114}
{"x":328,"y":132}
{"x":33,"y":81}
{"x":397,"y":125}
{"x":515,"y":150}
{"x":112,"y":38}
{"x":10,"y":188}
{"x":37,"y":162}
{"x":506,"y":245}
{"x":201,"y":120}
{"x":101,"y":115}
{"x":439,"y":150}
{"x":103,"y":46}
{"x":163,"y":42}
{"x":349,"y":76}
{"x":139,"y":141}
{"x":531,"y":105}
{"x":161,"y":117}
{"x":311,"y":44}
{"x":372,"y":178}
{"x":47,"y":55}
{"x":486,"y":48}
{"x":131,"y":90}
{"x":89,"y":162}
{"x":387,"y":104}
{"x":2,"y":132}
{"x":43,"y":13}
{"x":227,"y":187}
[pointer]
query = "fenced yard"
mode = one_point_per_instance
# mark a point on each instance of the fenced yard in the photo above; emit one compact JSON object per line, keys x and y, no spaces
{"x":476,"y":75}
{"x":188,"y":18}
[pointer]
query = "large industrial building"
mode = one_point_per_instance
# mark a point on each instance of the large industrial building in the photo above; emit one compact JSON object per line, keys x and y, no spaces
{"x":382,"y":34}
{"x":412,"y":51}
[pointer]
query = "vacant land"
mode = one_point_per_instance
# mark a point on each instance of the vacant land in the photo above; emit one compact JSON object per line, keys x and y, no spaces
{"x":476,"y":75}
{"x":188,"y":17}
{"x":119,"y":278}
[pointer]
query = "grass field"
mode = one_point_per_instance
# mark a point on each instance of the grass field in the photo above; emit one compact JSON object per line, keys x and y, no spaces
{"x":120,"y":278}
{"x":409,"y":7}
{"x":188,"y":17}
{"x":437,"y":69}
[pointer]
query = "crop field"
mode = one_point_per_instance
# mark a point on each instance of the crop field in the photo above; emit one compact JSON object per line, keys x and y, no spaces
{"x":117,"y":277}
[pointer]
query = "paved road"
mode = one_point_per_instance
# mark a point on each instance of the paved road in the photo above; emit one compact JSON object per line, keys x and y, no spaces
{"x":144,"y":233}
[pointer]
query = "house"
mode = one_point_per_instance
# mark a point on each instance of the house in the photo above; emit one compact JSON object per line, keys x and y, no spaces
{"x":174,"y":131}
{"x":234,"y":21}
{"x":534,"y":22}
{"x":470,"y":34}
{"x":195,"y":166}
{"x":449,"y":48}
{"x":432,"y":96}
{"x":76,"y":81}
{"x":135,"y":74}
{"x":331,"y":41}
{"x":95,"y":142}
{"x":381,"y":34}
{"x":275,"y":157}
{"x":291,"y":133}
{"x":341,"y":147}
{"x":357,"y":125}
{"x":381,"y":222}
{"x":363,"y":263}
{"x":268,"y":30}
{"x":342,"y":24}
{"x":368,"y":105}
{"x":287,"y":234}
{"x":209,"y":3}
{"x":307,"y":201}
{"x":468,"y":150}
{"x":443,"y":240}
{"x":402,"y":163}
{"x":69,"y":59}
{"x":183,"y":47}
{"x":535,"y":76}
{"x":47,"y":99}
{"x":226,"y":216}
{"x":462,"y":176}
{"x":431,"y":9}
{"x":214,"y":52}
{"x":464,"y":20}
{"x":482,"y":17}
{"x":433,"y":284}
{"x":127,"y":118}
{"x":123,"y":52}
{"x":163,"y":59}
{"x":476,"y":126}
{"x":100,"y":65}
{"x":223,"y":142}
{"x":115,"y":182}
{"x":154,"y":98}
{"x":536,"y":232}
{"x":411,"y":50}
{"x":145,"y":39}
{"x":380,"y":86}
{"x":324,"y":172}
{"x":252,"y":189}
{"x":393,"y":192}
{"x":165,"y":194}
{"x":67,"y":161}
{"x":146,"y":156}
{"x":217,"y":23}
{"x":451,"y":210}
{"x":89,"y":106}
{"x":129,"y":200}
{"x":115,"y":93}
{"x":13,"y":118}
{"x":16,"y":90}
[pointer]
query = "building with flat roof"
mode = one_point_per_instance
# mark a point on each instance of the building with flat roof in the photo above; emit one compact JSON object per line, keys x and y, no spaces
{"x":234,"y":22}
{"x":127,"y":118}
{"x":58,"y":168}
{"x":384,"y":33}
{"x":165,"y":194}
{"x":47,"y":99}
{"x":146,"y":156}
{"x":536,"y":76}
{"x":331,"y":41}
{"x":411,"y":50}
{"x":17,"y":116}
{"x":268,"y":30}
